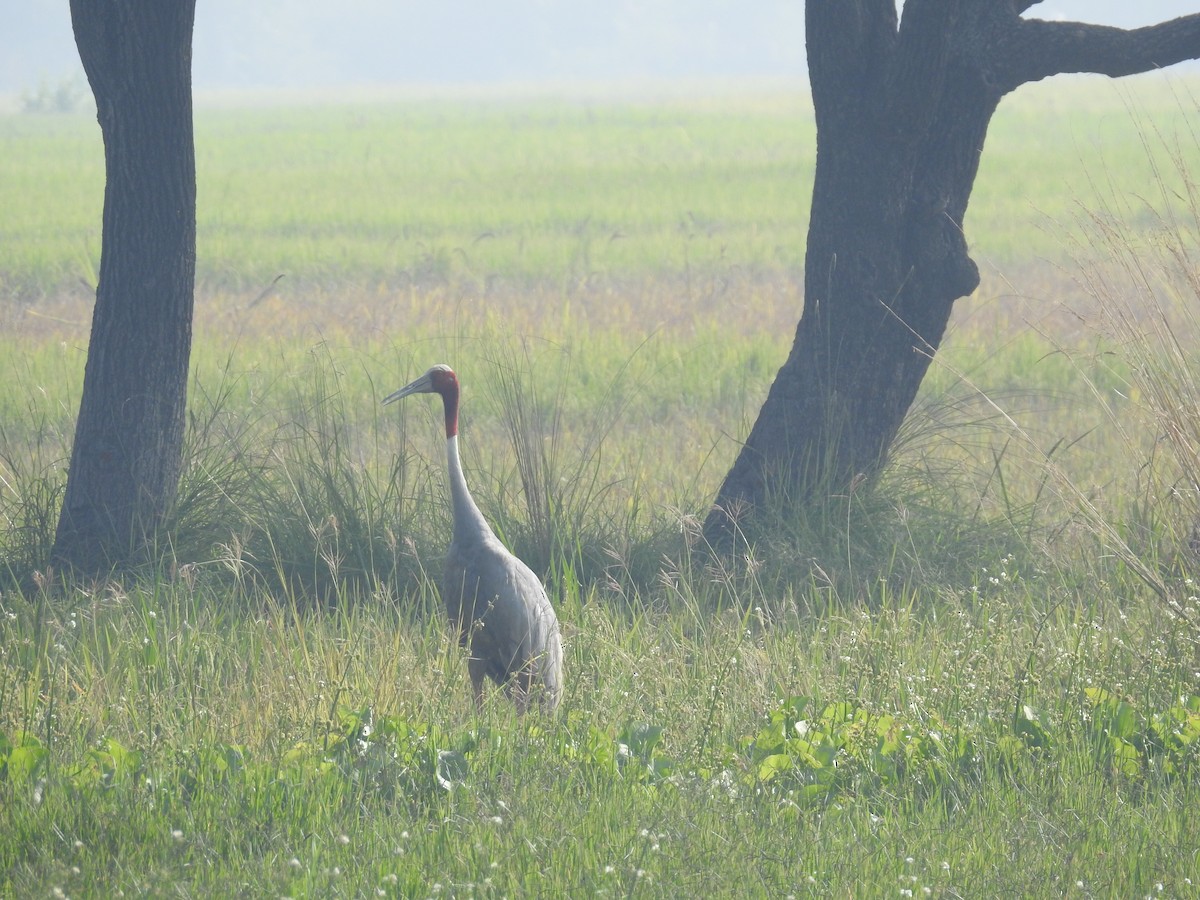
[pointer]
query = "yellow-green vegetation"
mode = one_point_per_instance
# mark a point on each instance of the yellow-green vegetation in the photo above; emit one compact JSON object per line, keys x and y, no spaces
{"x":421,"y":192}
{"x":980,"y":677}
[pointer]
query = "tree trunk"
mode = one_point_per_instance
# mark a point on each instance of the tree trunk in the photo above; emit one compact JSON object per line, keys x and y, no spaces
{"x":126,"y":459}
{"x":902,"y":108}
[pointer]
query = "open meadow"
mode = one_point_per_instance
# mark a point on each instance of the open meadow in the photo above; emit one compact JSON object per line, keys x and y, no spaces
{"x":979,"y":678}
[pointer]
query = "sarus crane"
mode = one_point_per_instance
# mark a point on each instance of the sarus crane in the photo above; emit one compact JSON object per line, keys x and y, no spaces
{"x":496,"y":603}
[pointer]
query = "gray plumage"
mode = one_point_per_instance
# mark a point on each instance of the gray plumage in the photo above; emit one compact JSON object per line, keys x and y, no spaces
{"x":494,"y":601}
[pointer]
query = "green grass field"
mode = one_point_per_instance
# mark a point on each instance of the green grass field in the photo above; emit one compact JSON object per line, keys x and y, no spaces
{"x":981,"y":678}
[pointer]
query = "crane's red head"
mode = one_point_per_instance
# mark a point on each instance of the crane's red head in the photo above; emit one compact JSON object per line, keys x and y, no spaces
{"x":440,"y":379}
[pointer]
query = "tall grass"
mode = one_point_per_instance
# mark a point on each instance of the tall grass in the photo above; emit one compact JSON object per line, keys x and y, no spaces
{"x":1147,"y":291}
{"x":580,"y":513}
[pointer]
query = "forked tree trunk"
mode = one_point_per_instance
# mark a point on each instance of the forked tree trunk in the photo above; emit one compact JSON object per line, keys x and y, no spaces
{"x":125,"y":463}
{"x":902,"y":108}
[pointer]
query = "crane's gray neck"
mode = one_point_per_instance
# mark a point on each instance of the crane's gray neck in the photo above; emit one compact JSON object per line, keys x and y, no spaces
{"x":469,"y":524}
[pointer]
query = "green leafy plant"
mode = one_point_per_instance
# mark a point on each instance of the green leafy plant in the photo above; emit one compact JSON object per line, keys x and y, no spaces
{"x":394,"y":757}
{"x":23,"y":758}
{"x":846,"y":747}
{"x":1129,"y":743}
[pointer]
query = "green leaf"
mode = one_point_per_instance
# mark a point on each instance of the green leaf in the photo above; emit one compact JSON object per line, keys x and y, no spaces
{"x":1028,"y":726}
{"x":1126,"y":760}
{"x":793,"y":707}
{"x":298,"y":755}
{"x":771,"y":766}
{"x":770,"y":739}
{"x":813,"y":756}
{"x":113,"y":763}
{"x":836,"y":715}
{"x":1112,"y":713}
{"x":661,"y":767}
{"x":642,"y":739}
{"x":26,"y":758}
{"x":1097,"y":695}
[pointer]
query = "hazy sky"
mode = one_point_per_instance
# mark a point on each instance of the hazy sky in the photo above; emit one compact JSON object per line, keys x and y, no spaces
{"x":309,"y":44}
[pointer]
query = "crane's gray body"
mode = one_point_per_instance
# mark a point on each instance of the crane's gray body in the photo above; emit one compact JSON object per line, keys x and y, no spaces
{"x":499,"y":606}
{"x":494,"y":601}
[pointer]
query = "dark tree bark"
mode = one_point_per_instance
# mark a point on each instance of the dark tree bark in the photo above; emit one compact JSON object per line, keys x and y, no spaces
{"x":902,"y":108}
{"x":126,"y":459}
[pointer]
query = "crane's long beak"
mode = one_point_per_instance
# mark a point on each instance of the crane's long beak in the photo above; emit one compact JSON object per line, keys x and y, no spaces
{"x":423,"y":385}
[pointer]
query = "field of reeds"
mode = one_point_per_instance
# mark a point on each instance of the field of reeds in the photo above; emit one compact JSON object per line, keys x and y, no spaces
{"x":979,"y":678}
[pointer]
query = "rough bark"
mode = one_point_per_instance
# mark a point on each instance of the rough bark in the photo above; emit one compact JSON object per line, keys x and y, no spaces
{"x":902,"y":108}
{"x":126,"y":458}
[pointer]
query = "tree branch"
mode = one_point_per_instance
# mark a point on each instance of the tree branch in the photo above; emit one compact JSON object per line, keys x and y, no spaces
{"x":1036,"y":49}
